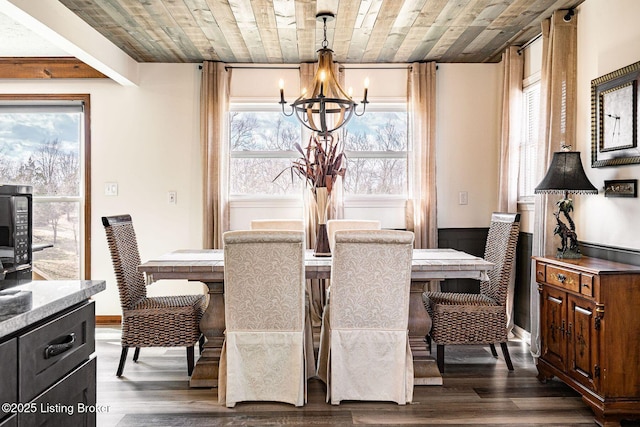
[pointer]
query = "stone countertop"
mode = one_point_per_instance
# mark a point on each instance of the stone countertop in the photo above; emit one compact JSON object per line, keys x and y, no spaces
{"x":49,"y":297}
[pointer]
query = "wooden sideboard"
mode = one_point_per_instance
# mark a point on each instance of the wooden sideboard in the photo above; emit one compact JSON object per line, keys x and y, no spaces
{"x":590,"y":332}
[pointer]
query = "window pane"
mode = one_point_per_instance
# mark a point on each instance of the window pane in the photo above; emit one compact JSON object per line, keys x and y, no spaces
{"x":376,"y":176}
{"x":255,"y":176}
{"x":377,"y":131}
{"x":262,"y":131}
{"x":41,"y":150}
{"x":57,"y":223}
{"x":529,"y":142}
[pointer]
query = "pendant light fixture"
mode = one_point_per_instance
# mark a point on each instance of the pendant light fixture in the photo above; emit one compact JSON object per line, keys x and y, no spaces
{"x":327,"y":107}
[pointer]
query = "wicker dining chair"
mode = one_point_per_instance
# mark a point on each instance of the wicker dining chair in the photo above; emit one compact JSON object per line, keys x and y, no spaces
{"x":464,"y":318}
{"x":165,"y":321}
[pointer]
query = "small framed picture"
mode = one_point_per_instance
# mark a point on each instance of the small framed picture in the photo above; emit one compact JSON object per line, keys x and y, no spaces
{"x":621,"y":188}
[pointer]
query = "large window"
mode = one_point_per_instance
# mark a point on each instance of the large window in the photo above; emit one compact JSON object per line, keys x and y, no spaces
{"x":42,"y":144}
{"x":262,"y":142}
{"x":529,"y":142}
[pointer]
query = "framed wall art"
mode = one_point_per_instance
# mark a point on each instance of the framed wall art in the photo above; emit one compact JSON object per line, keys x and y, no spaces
{"x":614,"y":118}
{"x":621,"y":188}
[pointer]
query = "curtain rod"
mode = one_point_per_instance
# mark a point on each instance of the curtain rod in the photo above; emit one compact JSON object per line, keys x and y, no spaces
{"x":528,"y":43}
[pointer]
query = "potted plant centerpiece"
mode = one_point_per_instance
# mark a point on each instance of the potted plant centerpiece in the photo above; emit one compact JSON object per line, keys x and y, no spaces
{"x":320,"y":164}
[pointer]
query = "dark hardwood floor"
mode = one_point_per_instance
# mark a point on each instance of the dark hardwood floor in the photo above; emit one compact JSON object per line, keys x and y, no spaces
{"x":478,"y":390}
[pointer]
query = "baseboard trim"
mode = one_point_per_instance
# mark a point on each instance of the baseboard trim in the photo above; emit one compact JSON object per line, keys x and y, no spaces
{"x":108,"y":320}
{"x":525,"y":336}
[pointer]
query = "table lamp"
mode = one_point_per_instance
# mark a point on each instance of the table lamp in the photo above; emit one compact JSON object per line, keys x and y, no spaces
{"x":566,"y":175}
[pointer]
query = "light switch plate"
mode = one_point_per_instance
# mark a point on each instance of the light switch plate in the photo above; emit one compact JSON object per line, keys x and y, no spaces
{"x":463,"y":198}
{"x":110,"y":188}
{"x":172,"y":197}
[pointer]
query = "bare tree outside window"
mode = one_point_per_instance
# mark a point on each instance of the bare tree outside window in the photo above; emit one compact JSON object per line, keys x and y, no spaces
{"x":376,"y":148}
{"x":42,"y":149}
{"x":262,"y":145}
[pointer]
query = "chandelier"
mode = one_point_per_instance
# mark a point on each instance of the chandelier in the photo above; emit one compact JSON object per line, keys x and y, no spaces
{"x":328,"y":107}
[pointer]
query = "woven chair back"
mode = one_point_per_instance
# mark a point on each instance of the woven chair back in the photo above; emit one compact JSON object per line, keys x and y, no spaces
{"x":123,"y":246}
{"x":500,"y":250}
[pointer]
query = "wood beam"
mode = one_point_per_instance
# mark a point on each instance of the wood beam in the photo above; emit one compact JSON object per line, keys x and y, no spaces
{"x":47,"y":68}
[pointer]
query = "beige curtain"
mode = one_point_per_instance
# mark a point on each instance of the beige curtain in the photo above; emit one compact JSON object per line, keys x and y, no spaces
{"x":420,"y":213}
{"x":421,"y":207}
{"x":513,"y":70}
{"x":557,"y":128}
{"x":214,"y":106}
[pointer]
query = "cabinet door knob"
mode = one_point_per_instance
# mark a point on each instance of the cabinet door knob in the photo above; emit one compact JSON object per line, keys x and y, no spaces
{"x":561,"y":278}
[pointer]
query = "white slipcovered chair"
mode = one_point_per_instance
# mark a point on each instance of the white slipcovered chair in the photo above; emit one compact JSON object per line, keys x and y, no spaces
{"x":364,"y":343}
{"x":297,"y":225}
{"x":277,"y":224}
{"x":334,"y":225}
{"x":263,"y":355}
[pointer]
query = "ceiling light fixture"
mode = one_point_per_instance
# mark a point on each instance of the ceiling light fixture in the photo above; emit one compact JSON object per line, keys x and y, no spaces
{"x":328,"y":107}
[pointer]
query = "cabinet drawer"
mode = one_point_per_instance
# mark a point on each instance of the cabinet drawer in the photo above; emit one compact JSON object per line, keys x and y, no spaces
{"x":66,"y":403}
{"x":541,"y":272}
{"x":566,"y":278}
{"x":586,"y":284}
{"x":54,"y":349}
{"x":8,"y":373}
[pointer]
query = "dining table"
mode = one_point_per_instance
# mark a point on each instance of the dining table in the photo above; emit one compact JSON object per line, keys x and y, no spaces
{"x":207,"y":266}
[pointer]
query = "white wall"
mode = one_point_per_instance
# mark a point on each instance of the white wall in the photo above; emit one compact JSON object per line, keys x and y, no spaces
{"x":608,"y":39}
{"x":468,"y":141}
{"x":146,"y":139}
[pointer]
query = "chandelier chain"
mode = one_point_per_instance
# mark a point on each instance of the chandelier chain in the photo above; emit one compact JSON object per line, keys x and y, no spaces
{"x":325,"y":43}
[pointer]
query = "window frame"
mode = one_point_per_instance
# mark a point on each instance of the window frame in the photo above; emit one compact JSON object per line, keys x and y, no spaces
{"x":85,"y":170}
{"x":529,"y":84}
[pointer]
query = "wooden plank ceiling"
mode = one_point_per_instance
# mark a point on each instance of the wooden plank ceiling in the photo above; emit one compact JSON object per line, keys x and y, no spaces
{"x":286,"y":31}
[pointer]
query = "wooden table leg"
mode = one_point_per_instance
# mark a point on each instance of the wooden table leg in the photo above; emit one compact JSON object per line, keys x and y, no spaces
{"x":425,"y":369}
{"x":212,"y":325}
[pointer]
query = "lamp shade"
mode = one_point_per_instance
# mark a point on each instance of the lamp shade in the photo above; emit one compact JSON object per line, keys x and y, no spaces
{"x":566,"y":175}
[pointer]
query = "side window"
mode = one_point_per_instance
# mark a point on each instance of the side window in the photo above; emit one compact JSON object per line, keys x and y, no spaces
{"x":529,"y":142}
{"x":42,"y":144}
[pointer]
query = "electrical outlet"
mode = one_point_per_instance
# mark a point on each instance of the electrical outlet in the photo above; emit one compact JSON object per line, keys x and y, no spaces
{"x":110,"y":188}
{"x":172,"y":197}
{"x":463,"y":198}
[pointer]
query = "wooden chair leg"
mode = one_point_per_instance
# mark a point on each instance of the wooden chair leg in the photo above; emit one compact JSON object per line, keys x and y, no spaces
{"x":201,"y":343}
{"x":190,"y":360}
{"x":507,"y":358}
{"x":440,"y":357}
{"x":493,"y":350}
{"x":123,"y":359}
{"x":136,"y":354}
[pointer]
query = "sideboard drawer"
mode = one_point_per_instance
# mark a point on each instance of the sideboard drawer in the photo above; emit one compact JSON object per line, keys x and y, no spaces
{"x":586,"y":284}
{"x":566,"y":278}
{"x":541,"y":272}
{"x":49,"y":352}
